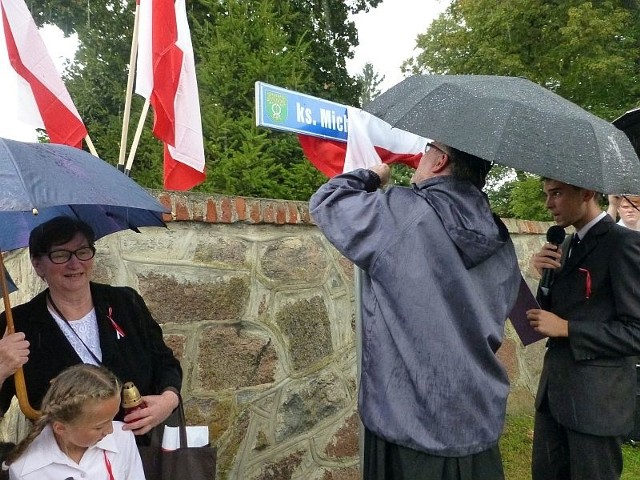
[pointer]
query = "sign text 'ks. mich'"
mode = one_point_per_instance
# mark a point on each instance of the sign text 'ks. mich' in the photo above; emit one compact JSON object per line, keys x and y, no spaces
{"x":282,"y":109}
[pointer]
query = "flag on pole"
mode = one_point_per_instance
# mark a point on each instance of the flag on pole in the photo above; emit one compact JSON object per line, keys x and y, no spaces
{"x":43,"y":98}
{"x":166,"y":75}
{"x":370,"y":141}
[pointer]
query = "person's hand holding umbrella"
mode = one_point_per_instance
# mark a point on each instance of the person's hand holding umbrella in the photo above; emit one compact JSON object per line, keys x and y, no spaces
{"x":14,"y":353}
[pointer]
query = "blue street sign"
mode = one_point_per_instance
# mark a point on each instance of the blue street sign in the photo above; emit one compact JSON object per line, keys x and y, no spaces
{"x":282,"y":109}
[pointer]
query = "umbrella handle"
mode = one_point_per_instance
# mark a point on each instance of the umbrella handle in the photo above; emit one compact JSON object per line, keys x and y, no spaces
{"x":21,"y":385}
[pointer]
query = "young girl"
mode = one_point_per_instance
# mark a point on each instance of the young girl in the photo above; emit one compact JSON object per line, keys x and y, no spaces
{"x":76,"y":436}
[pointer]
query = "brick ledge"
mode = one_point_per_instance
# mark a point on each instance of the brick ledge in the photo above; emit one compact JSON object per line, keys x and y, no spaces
{"x":213,"y":208}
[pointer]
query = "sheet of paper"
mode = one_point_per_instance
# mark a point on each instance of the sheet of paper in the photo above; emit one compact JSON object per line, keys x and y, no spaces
{"x":518,"y":316}
{"x":196,"y":437}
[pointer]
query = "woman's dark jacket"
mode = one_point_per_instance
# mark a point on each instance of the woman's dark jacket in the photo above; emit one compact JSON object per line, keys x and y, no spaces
{"x":141,"y":356}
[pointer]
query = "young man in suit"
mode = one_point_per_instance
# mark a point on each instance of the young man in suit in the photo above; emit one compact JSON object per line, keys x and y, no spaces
{"x":586,"y":396}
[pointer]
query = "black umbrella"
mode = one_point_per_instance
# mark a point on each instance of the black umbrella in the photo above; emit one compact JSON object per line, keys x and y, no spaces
{"x":40,"y":181}
{"x":629,"y":123}
{"x":514,"y":122}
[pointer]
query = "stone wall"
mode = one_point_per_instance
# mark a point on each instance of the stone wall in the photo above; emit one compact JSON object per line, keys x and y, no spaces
{"x":259,"y":308}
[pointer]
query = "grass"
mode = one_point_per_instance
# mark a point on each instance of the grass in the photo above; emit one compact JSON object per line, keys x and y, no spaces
{"x":516,"y":443}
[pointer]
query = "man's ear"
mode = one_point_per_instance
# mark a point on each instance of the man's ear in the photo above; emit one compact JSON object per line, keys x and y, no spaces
{"x":441,"y":164}
{"x":588,"y":195}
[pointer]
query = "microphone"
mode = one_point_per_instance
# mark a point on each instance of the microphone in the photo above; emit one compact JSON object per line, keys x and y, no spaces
{"x":555,"y":236}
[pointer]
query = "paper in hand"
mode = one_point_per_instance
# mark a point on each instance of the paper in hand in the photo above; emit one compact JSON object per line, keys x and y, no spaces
{"x":518,"y":316}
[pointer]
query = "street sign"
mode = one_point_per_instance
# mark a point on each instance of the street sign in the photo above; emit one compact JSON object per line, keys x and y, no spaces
{"x":282,"y":109}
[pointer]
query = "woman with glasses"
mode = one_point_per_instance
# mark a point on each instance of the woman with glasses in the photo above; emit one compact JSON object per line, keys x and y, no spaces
{"x":76,"y":321}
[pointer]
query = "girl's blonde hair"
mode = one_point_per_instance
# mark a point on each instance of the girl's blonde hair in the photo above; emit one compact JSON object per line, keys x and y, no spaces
{"x":68,"y":394}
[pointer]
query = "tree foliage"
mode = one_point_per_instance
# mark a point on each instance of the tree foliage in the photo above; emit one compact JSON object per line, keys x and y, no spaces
{"x":302,"y":45}
{"x":369,"y":81}
{"x":586,"y":51}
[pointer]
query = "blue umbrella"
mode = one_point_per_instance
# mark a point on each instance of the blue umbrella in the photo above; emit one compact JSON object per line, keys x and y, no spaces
{"x":39,"y":181}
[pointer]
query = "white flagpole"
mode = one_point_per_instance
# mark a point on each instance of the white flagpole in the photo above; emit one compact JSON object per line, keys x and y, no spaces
{"x":92,"y":148}
{"x":129,"y":93}
{"x":136,"y":139}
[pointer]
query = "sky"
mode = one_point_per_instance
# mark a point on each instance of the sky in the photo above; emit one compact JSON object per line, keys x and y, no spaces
{"x":387,"y":36}
{"x":60,"y":49}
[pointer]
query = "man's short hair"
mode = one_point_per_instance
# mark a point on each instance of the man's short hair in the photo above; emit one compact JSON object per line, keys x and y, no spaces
{"x":468,"y":167}
{"x":597,"y":195}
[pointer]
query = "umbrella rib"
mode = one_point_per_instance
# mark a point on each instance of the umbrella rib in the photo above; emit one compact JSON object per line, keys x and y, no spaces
{"x":18,"y":174}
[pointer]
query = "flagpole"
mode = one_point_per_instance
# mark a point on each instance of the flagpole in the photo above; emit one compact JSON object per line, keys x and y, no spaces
{"x":136,"y":139}
{"x":92,"y":148}
{"x":129,"y":93}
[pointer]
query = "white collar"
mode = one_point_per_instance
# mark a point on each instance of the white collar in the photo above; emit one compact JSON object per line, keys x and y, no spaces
{"x":45,"y":450}
{"x":584,"y":230}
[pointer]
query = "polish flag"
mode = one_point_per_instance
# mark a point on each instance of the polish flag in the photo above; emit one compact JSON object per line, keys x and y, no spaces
{"x":166,"y":75}
{"x":43,"y":99}
{"x":370,"y":141}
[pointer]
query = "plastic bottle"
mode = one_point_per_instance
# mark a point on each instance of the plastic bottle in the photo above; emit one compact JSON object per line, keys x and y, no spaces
{"x":131,"y":398}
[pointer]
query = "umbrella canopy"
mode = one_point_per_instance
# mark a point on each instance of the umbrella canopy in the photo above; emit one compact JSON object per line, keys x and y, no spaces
{"x":629,"y":123}
{"x":39,"y":181}
{"x":514,"y":122}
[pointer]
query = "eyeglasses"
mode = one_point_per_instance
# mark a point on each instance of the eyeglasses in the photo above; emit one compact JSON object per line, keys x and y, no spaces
{"x":63,"y":256}
{"x":431,"y":144}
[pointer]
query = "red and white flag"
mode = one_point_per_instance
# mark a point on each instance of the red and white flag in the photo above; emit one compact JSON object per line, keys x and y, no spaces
{"x":370,"y":141}
{"x":42,"y":96}
{"x":166,"y":75}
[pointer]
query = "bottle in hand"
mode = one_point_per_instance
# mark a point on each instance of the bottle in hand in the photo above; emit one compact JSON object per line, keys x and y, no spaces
{"x":131,"y":398}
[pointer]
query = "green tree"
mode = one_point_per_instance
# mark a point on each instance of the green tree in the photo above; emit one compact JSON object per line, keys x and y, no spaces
{"x":586,"y":51}
{"x":298,"y":44}
{"x":369,"y":84}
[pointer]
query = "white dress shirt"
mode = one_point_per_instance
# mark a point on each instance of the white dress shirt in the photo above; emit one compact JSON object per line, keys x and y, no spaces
{"x":43,"y":459}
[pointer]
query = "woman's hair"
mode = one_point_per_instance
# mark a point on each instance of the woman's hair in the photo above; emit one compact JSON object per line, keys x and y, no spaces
{"x":73,"y":389}
{"x":57,"y":231}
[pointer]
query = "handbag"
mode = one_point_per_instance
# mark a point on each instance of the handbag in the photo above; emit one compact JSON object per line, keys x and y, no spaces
{"x":195,"y":463}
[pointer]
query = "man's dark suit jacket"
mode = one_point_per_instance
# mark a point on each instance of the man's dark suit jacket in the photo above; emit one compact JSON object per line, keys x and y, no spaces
{"x":590,"y":377}
{"x":141,"y":356}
